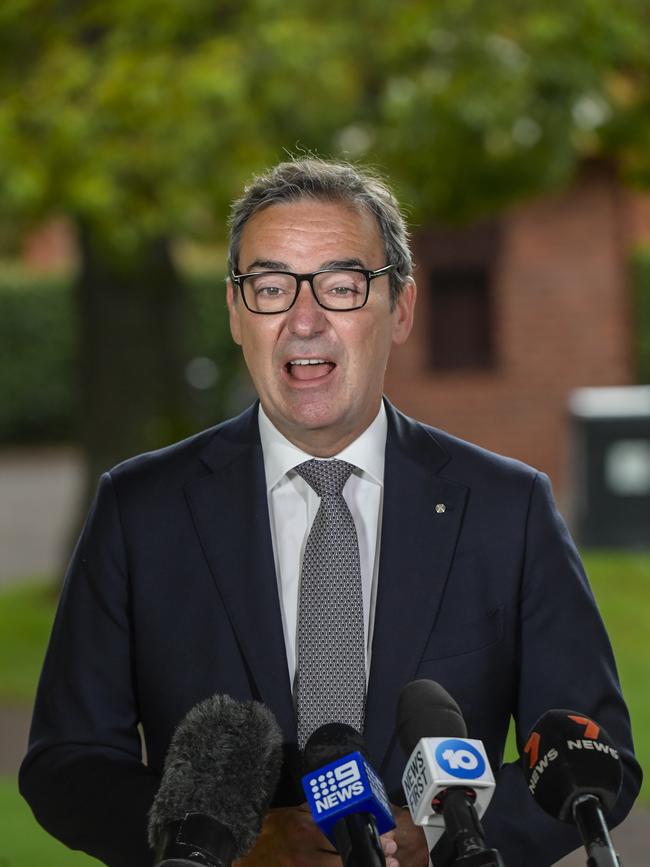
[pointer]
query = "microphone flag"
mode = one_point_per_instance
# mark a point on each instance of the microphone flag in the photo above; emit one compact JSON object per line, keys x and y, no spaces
{"x":344,"y":787}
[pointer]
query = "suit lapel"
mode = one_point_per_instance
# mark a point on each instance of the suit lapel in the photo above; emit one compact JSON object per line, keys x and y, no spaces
{"x":417,"y":548}
{"x":230,"y":512}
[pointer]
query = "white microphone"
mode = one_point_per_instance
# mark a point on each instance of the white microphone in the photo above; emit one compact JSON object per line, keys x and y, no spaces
{"x":448,"y":781}
{"x":438,"y":763}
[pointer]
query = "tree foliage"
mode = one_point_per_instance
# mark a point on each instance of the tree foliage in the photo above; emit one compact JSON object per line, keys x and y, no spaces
{"x":144,"y":118}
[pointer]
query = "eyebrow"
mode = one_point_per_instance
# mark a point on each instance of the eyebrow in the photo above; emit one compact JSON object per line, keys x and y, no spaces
{"x":275,"y":265}
{"x":267,"y":265}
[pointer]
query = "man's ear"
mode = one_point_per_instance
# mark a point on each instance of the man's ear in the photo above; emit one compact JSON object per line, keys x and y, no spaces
{"x":404,"y":311}
{"x":234,"y":305}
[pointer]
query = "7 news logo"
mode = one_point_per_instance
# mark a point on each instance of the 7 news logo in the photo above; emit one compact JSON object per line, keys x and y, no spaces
{"x":563,"y":738}
{"x":334,"y":787}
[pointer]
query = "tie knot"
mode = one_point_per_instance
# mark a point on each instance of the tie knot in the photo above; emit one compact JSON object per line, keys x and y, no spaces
{"x":327,"y":478}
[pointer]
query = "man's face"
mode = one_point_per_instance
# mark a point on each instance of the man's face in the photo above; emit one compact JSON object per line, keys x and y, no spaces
{"x":319,"y":407}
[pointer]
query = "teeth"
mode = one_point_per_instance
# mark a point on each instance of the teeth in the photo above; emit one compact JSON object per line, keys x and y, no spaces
{"x":308,"y":361}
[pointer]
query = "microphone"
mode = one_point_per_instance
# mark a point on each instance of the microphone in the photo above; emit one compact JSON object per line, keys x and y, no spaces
{"x":219,"y":776}
{"x":574,"y":773}
{"x":447,"y":779}
{"x":347,"y":799}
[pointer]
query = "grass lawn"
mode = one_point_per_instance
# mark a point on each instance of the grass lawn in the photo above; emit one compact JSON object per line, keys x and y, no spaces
{"x":621,"y":583}
{"x":26,"y":614}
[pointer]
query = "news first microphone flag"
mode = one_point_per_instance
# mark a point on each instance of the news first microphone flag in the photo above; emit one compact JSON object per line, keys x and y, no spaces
{"x":438,"y":763}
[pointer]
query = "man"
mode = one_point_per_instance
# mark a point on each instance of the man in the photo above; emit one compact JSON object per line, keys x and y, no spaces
{"x":191,"y":574}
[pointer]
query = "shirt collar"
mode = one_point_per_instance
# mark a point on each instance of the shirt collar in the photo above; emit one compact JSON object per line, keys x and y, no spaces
{"x":367,"y":452}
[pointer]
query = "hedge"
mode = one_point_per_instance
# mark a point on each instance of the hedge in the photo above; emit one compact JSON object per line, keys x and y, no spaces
{"x":39,"y":395}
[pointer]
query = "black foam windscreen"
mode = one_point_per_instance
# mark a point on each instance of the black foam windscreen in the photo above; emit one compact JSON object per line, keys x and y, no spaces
{"x":223,"y":764}
{"x":330,"y":742}
{"x":566,"y":755}
{"x":426,"y":710}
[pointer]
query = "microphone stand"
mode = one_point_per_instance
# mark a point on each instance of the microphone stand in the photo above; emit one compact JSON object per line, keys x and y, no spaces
{"x":358,"y":842}
{"x":588,"y":817}
{"x":463,"y":844}
{"x":196,"y":839}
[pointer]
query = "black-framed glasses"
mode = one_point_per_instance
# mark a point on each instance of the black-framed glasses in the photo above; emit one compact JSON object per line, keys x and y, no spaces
{"x":333,"y":288}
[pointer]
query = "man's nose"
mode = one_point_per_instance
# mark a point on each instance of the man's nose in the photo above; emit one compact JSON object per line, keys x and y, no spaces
{"x":306,"y":317}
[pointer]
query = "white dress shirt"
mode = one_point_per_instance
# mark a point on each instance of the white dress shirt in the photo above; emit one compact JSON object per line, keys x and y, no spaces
{"x":292,"y":508}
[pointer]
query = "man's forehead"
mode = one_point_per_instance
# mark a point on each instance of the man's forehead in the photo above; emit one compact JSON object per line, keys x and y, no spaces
{"x":309,"y":220}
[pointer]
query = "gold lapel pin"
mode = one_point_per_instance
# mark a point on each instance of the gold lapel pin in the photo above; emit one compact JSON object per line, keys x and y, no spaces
{"x":440,"y":508}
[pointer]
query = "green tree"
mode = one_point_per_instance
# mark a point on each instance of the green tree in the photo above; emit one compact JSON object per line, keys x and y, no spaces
{"x":141,"y":120}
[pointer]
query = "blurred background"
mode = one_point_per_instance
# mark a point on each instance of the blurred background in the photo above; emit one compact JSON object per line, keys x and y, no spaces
{"x":517,"y":136}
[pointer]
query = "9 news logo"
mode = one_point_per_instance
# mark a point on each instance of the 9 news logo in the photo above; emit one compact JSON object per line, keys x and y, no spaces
{"x":336,"y":786}
{"x":460,"y":759}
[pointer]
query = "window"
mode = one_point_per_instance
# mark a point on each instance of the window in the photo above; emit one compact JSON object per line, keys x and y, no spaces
{"x":461,"y":321}
{"x":459,"y":266}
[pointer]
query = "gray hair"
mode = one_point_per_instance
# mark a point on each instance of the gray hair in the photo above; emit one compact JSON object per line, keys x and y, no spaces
{"x":313,"y":178}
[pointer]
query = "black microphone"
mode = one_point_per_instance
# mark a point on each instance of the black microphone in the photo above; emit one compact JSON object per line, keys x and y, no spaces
{"x":220,"y":774}
{"x":447,"y":779}
{"x":574,"y":773}
{"x":347,"y":799}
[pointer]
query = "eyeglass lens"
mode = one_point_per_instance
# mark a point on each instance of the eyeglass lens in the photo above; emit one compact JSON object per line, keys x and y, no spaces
{"x":273,"y":292}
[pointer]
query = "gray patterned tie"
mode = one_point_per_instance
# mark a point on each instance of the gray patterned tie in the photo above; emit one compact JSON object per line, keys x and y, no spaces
{"x":331,"y":683}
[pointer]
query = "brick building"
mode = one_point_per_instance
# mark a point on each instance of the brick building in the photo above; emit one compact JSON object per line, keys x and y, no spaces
{"x":515,"y":313}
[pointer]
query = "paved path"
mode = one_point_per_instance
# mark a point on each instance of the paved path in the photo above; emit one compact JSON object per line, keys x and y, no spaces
{"x":14,"y":728}
{"x":39,"y":491}
{"x":38,"y":496}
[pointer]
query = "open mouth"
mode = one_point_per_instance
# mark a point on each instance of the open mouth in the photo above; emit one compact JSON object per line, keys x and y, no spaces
{"x":309,"y":368}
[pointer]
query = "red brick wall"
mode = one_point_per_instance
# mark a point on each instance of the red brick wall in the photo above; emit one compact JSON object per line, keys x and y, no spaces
{"x":561,"y":320}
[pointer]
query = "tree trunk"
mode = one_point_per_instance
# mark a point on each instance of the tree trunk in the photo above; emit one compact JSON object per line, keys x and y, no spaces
{"x":133,"y":313}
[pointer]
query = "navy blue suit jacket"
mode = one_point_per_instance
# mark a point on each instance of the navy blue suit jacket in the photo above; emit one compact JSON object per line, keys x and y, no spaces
{"x":171,"y":596}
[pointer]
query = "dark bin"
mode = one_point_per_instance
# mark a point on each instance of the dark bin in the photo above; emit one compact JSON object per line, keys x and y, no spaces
{"x":611,"y":466}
